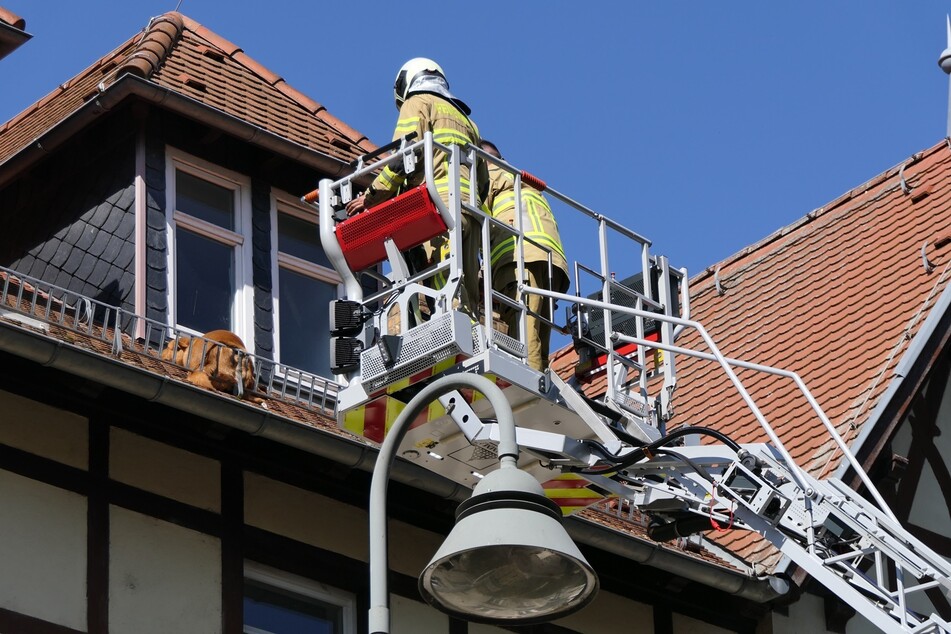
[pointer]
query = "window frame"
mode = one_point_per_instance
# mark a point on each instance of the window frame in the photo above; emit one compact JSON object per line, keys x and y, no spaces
{"x":239,"y":239}
{"x":289,"y":582}
{"x":281,"y":202}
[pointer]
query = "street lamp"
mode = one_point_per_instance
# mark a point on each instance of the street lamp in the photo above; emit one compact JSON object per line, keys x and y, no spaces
{"x":508,"y":560}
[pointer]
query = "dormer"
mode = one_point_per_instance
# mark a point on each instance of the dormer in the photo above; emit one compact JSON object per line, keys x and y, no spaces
{"x":165,"y":180}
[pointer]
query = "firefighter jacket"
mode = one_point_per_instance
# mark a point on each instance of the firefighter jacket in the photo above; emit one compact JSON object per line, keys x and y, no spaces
{"x":421,"y":113}
{"x":538,"y":225}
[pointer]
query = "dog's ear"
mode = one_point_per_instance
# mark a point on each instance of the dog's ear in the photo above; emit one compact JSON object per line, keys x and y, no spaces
{"x":212,"y":356}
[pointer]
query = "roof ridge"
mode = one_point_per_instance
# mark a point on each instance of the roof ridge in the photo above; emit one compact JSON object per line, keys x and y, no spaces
{"x":835,"y":204}
{"x":157,"y":40}
{"x":276,"y":81}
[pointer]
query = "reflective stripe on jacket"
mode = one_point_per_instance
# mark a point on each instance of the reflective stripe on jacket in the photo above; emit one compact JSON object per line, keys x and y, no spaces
{"x":538,"y":223}
{"x":421,"y":113}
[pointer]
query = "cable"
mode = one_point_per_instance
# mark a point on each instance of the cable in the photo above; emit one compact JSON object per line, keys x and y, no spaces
{"x":686,"y":431}
{"x":703,"y":473}
{"x":654,"y":448}
{"x":600,"y":449}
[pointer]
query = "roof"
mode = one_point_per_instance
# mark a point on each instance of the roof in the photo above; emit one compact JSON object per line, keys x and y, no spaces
{"x":178,"y":54}
{"x":12,"y":32}
{"x":835,"y":297}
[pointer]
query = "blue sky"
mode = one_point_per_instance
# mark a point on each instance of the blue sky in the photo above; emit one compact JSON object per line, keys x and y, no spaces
{"x":704,"y":126}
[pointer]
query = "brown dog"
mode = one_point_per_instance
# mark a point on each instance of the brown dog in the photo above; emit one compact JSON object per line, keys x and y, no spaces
{"x":215,"y":366}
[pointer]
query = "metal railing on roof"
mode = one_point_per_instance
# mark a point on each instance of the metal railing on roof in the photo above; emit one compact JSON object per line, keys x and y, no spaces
{"x":110,"y":330}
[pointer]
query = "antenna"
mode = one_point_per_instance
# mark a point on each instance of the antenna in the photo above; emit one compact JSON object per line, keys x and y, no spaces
{"x":944,"y":61}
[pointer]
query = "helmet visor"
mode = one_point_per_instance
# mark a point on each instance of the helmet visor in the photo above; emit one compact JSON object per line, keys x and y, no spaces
{"x":399,"y":88}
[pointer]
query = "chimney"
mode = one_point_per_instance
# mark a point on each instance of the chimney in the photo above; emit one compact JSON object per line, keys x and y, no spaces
{"x":944,"y":61}
{"x":12,"y":34}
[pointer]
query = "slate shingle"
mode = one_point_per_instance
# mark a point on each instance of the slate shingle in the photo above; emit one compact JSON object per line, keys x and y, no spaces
{"x":73,"y":261}
{"x":86,"y":267}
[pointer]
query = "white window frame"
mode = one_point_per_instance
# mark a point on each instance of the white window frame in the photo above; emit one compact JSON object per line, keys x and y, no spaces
{"x":242,"y":317}
{"x":281,"y":580}
{"x":282,"y":202}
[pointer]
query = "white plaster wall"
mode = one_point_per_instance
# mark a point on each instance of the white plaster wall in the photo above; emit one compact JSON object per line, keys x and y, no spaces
{"x":326,"y":523}
{"x":305,"y":516}
{"x":165,"y":470}
{"x":42,"y":551}
{"x":601,"y":615}
{"x":808,"y":615}
{"x":162,"y":577}
{"x":686,"y":625}
{"x":43,"y":430}
{"x":478,"y":628}
{"x":925,"y":510}
{"x":415,"y":617}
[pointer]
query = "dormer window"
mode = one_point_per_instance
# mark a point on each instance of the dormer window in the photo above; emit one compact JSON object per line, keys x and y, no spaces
{"x":209,"y":248}
{"x":211,"y":276}
{"x":306,"y":284}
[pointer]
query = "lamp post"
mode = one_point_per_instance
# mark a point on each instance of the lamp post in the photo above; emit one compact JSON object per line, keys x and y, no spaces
{"x":508,"y":560}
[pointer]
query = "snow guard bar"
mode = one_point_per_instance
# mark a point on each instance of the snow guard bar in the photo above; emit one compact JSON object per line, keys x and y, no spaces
{"x":399,"y":326}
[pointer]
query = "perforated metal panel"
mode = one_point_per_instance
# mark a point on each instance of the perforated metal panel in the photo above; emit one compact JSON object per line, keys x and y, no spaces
{"x":635,"y":406}
{"x":509,"y":344}
{"x":422,"y":347}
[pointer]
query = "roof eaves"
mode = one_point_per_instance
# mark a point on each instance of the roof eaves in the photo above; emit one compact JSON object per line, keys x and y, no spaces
{"x":131,"y":84}
{"x":12,"y":32}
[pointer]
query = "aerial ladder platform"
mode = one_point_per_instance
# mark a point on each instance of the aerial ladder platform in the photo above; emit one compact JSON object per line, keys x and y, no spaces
{"x":400,"y":326}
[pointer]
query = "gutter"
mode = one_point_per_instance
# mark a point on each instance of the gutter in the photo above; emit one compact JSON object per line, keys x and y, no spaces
{"x":130,"y":85}
{"x":50,"y":352}
{"x":756,"y":589}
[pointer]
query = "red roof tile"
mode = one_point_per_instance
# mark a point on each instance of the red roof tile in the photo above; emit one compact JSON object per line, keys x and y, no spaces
{"x":179,"y":54}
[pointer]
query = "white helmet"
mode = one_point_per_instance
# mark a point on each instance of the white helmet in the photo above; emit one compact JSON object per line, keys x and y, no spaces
{"x":408,"y":72}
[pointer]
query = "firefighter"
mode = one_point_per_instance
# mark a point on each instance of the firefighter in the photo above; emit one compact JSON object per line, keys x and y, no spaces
{"x":538,"y":225}
{"x":426,"y":105}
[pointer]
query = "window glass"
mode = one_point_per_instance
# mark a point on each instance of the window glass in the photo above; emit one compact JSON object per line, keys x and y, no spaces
{"x":204,"y":200}
{"x":204,"y":282}
{"x":299,"y":238}
{"x":279,"y":611}
{"x":305,"y":337}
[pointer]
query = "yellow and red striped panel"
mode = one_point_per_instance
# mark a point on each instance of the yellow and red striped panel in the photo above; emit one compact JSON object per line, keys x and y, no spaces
{"x":571,"y":492}
{"x":373,"y":419}
{"x":422,"y":375}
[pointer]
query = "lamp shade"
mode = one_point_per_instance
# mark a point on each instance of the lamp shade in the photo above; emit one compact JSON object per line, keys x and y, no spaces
{"x":508,"y":560}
